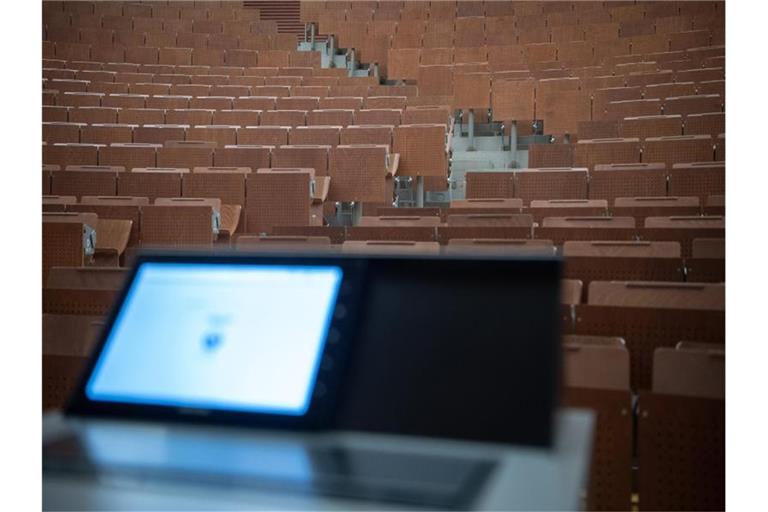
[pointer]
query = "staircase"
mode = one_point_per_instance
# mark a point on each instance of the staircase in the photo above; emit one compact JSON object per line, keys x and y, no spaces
{"x":286,"y":14}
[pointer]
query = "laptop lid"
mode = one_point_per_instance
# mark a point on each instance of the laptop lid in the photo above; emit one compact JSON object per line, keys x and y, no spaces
{"x":247,"y":341}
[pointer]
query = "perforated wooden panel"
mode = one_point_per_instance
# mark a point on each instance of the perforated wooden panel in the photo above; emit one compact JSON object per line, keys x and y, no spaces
{"x":472,"y":90}
{"x":488,"y":184}
{"x":610,"y":184}
{"x":681,"y":452}
{"x":84,"y":183}
{"x":277,"y":199}
{"x":334,"y":116}
{"x":651,"y":126}
{"x":254,"y":157}
{"x":187,"y":157}
{"x":550,"y":155}
{"x":70,"y":154}
{"x":60,"y":376}
{"x":513,"y":99}
{"x":610,"y":479}
{"x":681,"y":149}
{"x":358,"y":173}
{"x":697,"y":180}
{"x":176,"y":226}
{"x":550,"y":184}
{"x":645,"y":329}
{"x":588,"y":153}
{"x":596,"y":268}
{"x":422,"y":150}
{"x":129,"y":156}
{"x":371,"y":134}
{"x":62,"y":245}
{"x":310,"y":156}
{"x":149,"y":184}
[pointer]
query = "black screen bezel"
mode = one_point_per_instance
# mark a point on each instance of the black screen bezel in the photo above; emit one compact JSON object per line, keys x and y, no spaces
{"x":322,"y":405}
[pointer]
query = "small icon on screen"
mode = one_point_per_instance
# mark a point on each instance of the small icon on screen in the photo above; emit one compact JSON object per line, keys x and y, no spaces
{"x":212,"y":341}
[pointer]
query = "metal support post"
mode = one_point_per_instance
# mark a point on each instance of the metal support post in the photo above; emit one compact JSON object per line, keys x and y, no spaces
{"x":419,"y":191}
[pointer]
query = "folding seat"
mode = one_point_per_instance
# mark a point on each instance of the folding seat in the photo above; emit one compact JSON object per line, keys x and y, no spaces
{"x":711,"y":87}
{"x":651,"y":126}
{"x":513,"y":99}
{"x":123,"y":101}
{"x":158,"y":133}
{"x":637,"y":28}
{"x":348,"y":91}
{"x":54,"y":132}
{"x":603,"y":96}
{"x":263,"y":135}
{"x":403,"y":63}
{"x":178,"y":225}
{"x":129,"y":156}
{"x":220,"y":135}
{"x":290,"y":118}
{"x":186,"y":154}
{"x":562,"y":111}
{"x":523,"y":222}
{"x":79,"y":99}
{"x":679,"y":149}
{"x":117,"y":22}
{"x":305,"y":157}
{"x":398,"y":221}
{"x":223,"y":41}
{"x":618,"y":110}
{"x":249,"y":81}
{"x":550,"y":155}
{"x":589,"y":152}
{"x":686,"y":403}
{"x":472,"y":91}
{"x":107,"y":88}
{"x":67,"y":240}
{"x":278,"y":197}
{"x":552,"y":183}
{"x":64,"y":154}
{"x":148,"y":89}
{"x":378,"y":117}
{"x":68,"y":85}
{"x":701,"y":179}
{"x":133,"y":76}
{"x":107,"y":133}
{"x":426,"y":115}
{"x":370,"y":134}
{"x":702,"y":296}
{"x":54,"y":114}
{"x":85,"y":180}
{"x":191,"y":117}
{"x":254,"y":103}
{"x":147,"y":25}
{"x":205,"y":56}
{"x":359,"y":173}
{"x":697,"y":104}
{"x":297,"y":103}
{"x":598,"y":129}
{"x":168,"y":102}
{"x":341,"y":102}
{"x":540,"y":208}
{"x":660,"y":206}
{"x":709,"y":248}
{"x":151,"y":182}
{"x":609,"y":181}
{"x":250,"y":156}
{"x":241,"y":118}
{"x":314,"y":135}
{"x":720,"y":148}
{"x":422,"y":149}
{"x":689,"y":39}
{"x":435,"y":80}
{"x":489,"y":185}
{"x":271,"y":90}
{"x":283,"y":81}
{"x":703,"y":124}
{"x":226,"y":184}
{"x":273,"y":58}
{"x":72,"y":51}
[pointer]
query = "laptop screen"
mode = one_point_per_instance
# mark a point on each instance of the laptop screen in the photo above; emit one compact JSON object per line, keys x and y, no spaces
{"x":219,"y":336}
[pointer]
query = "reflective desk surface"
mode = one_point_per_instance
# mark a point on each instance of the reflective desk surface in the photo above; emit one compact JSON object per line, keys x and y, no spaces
{"x":523,"y":478}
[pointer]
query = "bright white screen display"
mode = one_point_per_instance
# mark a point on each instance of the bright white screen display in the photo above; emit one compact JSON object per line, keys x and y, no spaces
{"x":212,"y":336}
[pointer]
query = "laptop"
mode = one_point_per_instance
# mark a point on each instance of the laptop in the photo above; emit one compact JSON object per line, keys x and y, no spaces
{"x":205,"y":346}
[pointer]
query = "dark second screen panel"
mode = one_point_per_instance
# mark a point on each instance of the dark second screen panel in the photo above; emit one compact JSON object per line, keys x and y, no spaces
{"x":465,"y":350}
